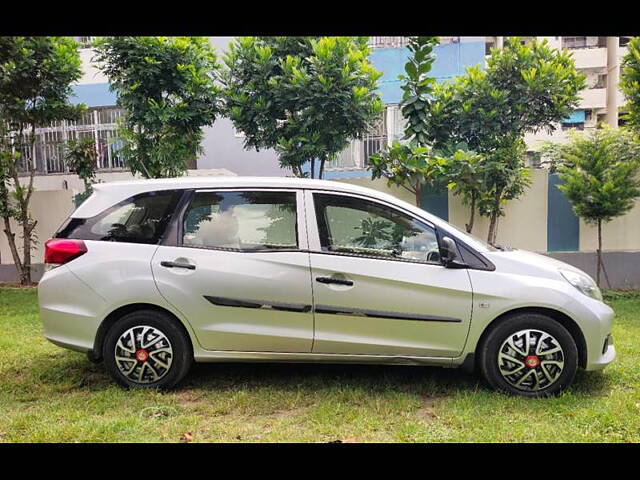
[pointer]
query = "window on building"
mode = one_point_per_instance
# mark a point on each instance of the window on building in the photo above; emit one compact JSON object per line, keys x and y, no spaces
{"x":533,"y":159}
{"x":388,"y":42}
{"x":256,"y":220}
{"x":357,"y":154}
{"x":574,"y":42}
{"x":570,"y":125}
{"x":602,"y":81}
{"x":84,"y":42}
{"x":624,"y":41}
{"x":97,"y":123}
{"x":489,"y":44}
{"x":588,"y":115}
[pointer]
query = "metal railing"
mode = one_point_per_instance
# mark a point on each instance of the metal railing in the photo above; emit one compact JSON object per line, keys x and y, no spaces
{"x":356,"y":155}
{"x":49,"y":145}
{"x":388,"y":42}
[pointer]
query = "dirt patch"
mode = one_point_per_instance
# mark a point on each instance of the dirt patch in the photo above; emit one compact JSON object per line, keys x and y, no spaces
{"x":426,"y":412}
{"x":190,"y":398}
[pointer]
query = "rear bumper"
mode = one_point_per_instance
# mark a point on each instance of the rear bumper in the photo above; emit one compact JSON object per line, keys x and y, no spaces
{"x":69,"y":310}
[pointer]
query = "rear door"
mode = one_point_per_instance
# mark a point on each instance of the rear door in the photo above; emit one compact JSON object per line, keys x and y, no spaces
{"x":379,"y":287}
{"x":239,"y":270}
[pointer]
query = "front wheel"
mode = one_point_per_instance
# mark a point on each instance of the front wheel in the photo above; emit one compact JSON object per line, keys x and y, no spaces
{"x":529,"y":354}
{"x":147,"y":349}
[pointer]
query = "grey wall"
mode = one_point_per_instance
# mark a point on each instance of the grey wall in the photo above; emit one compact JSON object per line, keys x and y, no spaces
{"x":222,"y":149}
{"x":623,"y":268}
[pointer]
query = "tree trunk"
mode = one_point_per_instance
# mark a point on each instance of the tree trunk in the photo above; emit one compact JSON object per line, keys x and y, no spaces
{"x":321,"y":176}
{"x":313,"y":168}
{"x":599,"y":253}
{"x":417,"y":191}
{"x":469,"y":226}
{"x":493,"y":223}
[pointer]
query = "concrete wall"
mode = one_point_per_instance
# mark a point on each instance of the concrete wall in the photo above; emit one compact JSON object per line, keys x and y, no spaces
{"x":50,"y":209}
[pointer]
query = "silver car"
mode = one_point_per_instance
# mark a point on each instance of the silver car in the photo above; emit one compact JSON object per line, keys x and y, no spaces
{"x":152,"y":275}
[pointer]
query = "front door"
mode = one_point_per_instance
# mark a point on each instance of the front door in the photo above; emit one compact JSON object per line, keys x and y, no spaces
{"x":379,"y":287}
{"x":240,"y":272}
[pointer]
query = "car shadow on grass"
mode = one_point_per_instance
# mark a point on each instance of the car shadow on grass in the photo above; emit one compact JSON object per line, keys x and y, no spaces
{"x":72,"y":372}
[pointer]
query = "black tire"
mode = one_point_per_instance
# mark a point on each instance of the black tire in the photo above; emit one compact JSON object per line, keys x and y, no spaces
{"x":179,"y":345}
{"x":502,"y":331}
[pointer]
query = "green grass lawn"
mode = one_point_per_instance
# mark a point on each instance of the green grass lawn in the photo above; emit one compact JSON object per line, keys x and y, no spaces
{"x":48,"y":394}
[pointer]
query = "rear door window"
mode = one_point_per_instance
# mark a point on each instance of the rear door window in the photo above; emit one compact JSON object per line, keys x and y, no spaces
{"x":242,"y":220}
{"x":139,"y":219}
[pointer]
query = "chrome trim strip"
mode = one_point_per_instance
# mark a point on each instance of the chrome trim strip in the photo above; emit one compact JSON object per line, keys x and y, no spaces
{"x":327,"y":309}
{"x":383,"y":314}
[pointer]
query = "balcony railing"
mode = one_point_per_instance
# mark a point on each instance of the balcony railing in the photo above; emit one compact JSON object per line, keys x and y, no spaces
{"x":49,"y":147}
{"x":388,"y":42}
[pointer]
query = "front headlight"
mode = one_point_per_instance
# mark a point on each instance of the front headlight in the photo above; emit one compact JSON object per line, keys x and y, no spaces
{"x":584,"y":283}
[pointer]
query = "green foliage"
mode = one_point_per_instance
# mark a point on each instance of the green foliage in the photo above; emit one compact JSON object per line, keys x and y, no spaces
{"x":81,"y":157}
{"x":630,"y":82}
{"x":36,"y":75}
{"x":601,"y":173}
{"x":523,"y":88}
{"x":411,"y":166}
{"x":417,"y":87}
{"x":167,"y":88}
{"x":306,"y":97}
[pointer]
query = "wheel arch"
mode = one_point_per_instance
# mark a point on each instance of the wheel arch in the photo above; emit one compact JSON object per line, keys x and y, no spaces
{"x":562,"y":318}
{"x":96,"y":353}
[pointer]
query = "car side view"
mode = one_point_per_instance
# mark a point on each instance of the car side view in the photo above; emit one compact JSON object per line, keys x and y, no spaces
{"x":151,"y":275}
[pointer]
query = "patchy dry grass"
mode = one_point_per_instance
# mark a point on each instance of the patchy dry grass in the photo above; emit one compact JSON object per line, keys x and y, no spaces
{"x":48,"y":394}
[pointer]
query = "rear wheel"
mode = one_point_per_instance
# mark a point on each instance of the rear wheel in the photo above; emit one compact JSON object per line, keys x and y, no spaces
{"x":529,"y":354}
{"x":147,"y":349}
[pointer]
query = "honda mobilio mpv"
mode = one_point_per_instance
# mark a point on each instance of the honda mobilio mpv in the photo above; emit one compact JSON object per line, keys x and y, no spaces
{"x":151,"y":275}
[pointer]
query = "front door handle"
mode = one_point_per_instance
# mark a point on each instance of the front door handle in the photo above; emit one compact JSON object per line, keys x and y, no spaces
{"x":167,"y":264}
{"x":337,"y":281}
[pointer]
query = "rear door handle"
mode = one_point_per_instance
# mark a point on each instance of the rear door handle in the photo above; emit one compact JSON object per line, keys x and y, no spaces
{"x":337,"y":281}
{"x":167,"y":264}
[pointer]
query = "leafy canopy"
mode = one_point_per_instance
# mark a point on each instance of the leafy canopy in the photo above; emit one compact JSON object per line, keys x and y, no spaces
{"x":306,"y":97}
{"x":167,"y":88}
{"x":524,"y":88}
{"x":630,"y":81}
{"x":411,"y":165}
{"x":601,"y":171}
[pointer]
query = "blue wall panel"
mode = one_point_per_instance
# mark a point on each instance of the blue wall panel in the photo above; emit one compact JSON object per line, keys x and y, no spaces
{"x":435,"y":201}
{"x":451,"y":61}
{"x":93,"y":95}
{"x":563,"y":227}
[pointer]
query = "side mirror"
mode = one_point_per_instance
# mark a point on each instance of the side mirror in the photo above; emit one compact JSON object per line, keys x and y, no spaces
{"x":449,"y":254}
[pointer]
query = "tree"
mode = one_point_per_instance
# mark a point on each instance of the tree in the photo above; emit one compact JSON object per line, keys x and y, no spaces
{"x":412,"y":165}
{"x":168,"y":90}
{"x":82,"y":158}
{"x":463,"y":170}
{"x":305,"y":97}
{"x":601,"y":171}
{"x":524,"y":88}
{"x":630,"y":81}
{"x":36,"y":74}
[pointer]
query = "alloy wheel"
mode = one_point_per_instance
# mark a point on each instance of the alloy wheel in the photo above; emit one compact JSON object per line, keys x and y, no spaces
{"x":531,"y":360}
{"x":143,"y":354}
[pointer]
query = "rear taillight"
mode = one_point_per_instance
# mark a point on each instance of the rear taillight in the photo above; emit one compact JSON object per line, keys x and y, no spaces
{"x":58,"y":251}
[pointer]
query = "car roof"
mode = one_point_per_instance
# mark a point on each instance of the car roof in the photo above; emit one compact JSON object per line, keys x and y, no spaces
{"x":108,"y":194}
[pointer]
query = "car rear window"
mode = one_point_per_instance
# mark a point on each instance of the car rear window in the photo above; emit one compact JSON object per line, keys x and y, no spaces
{"x":138,"y":219}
